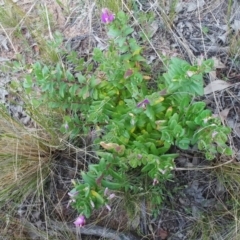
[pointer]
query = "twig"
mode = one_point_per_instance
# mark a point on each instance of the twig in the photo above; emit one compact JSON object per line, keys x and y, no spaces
{"x":48,"y":22}
{"x":8,"y":39}
{"x":144,"y":217}
{"x":95,"y":230}
{"x":203,"y":168}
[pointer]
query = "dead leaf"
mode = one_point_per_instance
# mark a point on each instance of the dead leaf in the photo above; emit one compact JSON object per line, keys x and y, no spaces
{"x":234,"y":126}
{"x":152,"y":29}
{"x":224,"y":113}
{"x":146,"y":77}
{"x":35,"y":48}
{"x":192,"y":6}
{"x":217,"y":63}
{"x":128,"y":73}
{"x":179,"y":7}
{"x":120,"y":149}
{"x":223,"y":38}
{"x":163,"y":234}
{"x":213,"y":76}
{"x":236,"y":25}
{"x":216,"y":85}
{"x":163,"y":92}
{"x":3,"y":42}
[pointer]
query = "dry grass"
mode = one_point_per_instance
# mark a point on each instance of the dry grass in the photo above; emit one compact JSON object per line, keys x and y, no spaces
{"x":25,"y":157}
{"x":224,"y":224}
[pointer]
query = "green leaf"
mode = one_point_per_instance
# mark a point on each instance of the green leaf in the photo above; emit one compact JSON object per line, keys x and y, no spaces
{"x":127,"y":30}
{"x":87,"y":211}
{"x":131,"y":103}
{"x":62,"y":89}
{"x":208,"y":65}
{"x":191,"y":124}
{"x":116,"y":175}
{"x":197,"y":107}
{"x":69,"y":76}
{"x":183,"y":143}
{"x":87,"y":179}
{"x":72,"y":90}
{"x":134,"y":89}
{"x":95,"y":94}
{"x":120,"y":41}
{"x":84,"y":93}
{"x":153,"y":149}
{"x":228,"y":151}
{"x":81,"y":78}
{"x":112,"y":185}
{"x":166,"y":136}
{"x":58,"y":72}
{"x":177,"y":130}
{"x":148,"y":167}
{"x":185,"y":101}
{"x":134,"y":162}
{"x":97,"y":54}
{"x":45,"y":71}
{"x":150,"y":112}
{"x":170,"y":156}
{"x":122,"y":17}
{"x":28,"y":82}
{"x":113,"y":32}
{"x":197,"y":88}
{"x":93,"y":82}
{"x":97,"y":197}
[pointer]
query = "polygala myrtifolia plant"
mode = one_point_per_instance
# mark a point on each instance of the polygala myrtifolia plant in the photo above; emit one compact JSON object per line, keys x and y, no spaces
{"x":140,"y":123}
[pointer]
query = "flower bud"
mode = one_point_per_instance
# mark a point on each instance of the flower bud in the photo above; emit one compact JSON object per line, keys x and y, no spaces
{"x":80,"y":221}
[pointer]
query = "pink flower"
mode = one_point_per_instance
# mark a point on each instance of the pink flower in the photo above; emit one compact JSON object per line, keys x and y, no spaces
{"x":143,"y":103}
{"x":111,"y":196}
{"x":107,"y":16}
{"x":80,"y":221}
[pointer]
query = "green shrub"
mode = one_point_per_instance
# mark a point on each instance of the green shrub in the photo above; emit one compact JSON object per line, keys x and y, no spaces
{"x":140,"y":123}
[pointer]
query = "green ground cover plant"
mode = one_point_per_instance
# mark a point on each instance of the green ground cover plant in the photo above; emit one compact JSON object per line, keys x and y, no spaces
{"x":134,"y":120}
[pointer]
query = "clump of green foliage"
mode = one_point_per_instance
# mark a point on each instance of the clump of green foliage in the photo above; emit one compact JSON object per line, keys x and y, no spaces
{"x":140,"y":123}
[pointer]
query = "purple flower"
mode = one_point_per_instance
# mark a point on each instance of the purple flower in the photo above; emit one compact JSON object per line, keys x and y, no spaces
{"x":143,"y":103}
{"x":108,"y":195}
{"x":107,"y":16}
{"x":80,"y":221}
